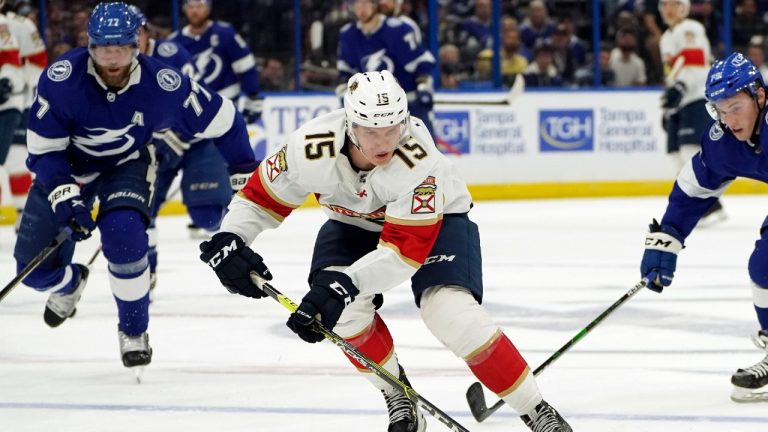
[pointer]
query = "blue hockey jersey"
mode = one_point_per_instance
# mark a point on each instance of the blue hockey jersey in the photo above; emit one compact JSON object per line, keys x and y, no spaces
{"x":722,"y":158}
{"x":222,"y":59}
{"x":173,"y":54}
{"x":392,"y":46}
{"x":79,"y":128}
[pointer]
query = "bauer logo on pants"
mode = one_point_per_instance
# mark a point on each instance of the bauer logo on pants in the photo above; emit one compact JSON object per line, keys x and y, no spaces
{"x":566,"y":130}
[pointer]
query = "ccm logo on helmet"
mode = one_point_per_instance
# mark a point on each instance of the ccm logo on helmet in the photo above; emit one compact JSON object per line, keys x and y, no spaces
{"x":389,"y":114}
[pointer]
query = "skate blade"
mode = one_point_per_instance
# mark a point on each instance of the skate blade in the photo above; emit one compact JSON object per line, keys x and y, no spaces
{"x":712,"y":219}
{"x":138,"y":372}
{"x":742,"y":395}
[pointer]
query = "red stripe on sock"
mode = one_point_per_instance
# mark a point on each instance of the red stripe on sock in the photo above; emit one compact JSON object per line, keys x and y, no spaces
{"x":375,"y":342}
{"x":20,"y":183}
{"x":500,"y":366}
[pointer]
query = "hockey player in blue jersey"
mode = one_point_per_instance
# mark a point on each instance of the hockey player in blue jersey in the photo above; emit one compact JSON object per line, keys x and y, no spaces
{"x":376,"y":42}
{"x":734,"y":146}
{"x":95,"y":111}
{"x":210,"y":173}
{"x":222,"y":58}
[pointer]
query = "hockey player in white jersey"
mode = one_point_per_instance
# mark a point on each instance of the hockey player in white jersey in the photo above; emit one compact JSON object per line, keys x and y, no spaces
{"x":734,"y":146}
{"x":89,"y":129}
{"x":34,"y":58}
{"x":687,"y":55}
{"x":11,"y":87}
{"x":397,"y":210}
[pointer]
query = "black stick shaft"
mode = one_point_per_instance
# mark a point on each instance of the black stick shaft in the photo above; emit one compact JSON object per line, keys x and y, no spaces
{"x":36,"y":261}
{"x":374,"y":367}
{"x":580,"y":335}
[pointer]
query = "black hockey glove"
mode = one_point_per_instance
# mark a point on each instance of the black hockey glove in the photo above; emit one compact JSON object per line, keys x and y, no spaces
{"x":70,"y":210}
{"x":5,"y":90}
{"x":662,"y":244}
{"x":252,"y":106}
{"x":330,"y":293}
{"x":673,"y":96}
{"x":233,"y":263}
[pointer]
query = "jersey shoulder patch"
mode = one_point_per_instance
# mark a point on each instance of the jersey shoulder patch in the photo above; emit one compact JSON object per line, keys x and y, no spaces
{"x":716,"y":132}
{"x":168,"y":79}
{"x":167,"y":49}
{"x":60,"y":70}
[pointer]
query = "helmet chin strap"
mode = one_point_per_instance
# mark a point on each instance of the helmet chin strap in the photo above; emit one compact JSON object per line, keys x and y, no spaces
{"x":756,"y":125}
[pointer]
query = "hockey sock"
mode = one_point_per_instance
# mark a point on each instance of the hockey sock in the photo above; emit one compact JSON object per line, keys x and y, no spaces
{"x":501,"y":368}
{"x":131,"y":292}
{"x":377,"y":344}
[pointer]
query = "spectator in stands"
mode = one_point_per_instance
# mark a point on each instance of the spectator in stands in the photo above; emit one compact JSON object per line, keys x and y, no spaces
{"x":756,"y":53}
{"x":650,"y":33}
{"x":474,"y":33}
{"x":746,"y":23}
{"x":451,"y":70}
{"x":628,"y":67}
{"x":585,"y":75}
{"x":512,"y":61}
{"x":564,"y":59}
{"x":57,"y":50}
{"x":273,"y":76}
{"x":537,"y":26}
{"x":542,"y":71}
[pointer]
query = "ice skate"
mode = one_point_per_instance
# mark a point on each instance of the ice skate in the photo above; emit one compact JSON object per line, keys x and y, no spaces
{"x":404,"y":416}
{"x":59,"y":307}
{"x":713,"y":216}
{"x":544,"y":418}
{"x":751,"y":384}
{"x":135,"y":352}
{"x":197,"y":233}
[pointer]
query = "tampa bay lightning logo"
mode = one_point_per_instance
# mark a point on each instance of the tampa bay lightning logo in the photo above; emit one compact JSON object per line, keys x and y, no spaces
{"x":168,"y":79}
{"x":738,"y":60}
{"x":716,"y":132}
{"x":60,"y":70}
{"x":102,"y":142}
{"x":209,"y":64}
{"x":167,"y":49}
{"x":378,"y":61}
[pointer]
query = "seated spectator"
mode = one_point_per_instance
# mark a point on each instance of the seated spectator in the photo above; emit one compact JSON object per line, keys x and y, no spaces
{"x":565,"y":59}
{"x":628,"y":67}
{"x":537,"y":26}
{"x":585,"y":75}
{"x":746,"y":22}
{"x":273,"y":76}
{"x":58,"y":49}
{"x":756,"y":53}
{"x":474,"y":33}
{"x":512,"y":62}
{"x":451,"y":70}
{"x":542,"y":71}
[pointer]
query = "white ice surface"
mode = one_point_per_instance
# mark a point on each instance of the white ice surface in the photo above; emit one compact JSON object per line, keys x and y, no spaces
{"x":227,"y":363}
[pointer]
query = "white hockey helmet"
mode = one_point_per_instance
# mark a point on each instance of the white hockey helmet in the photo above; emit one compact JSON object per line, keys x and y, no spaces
{"x":376,"y":100}
{"x":685,"y":3}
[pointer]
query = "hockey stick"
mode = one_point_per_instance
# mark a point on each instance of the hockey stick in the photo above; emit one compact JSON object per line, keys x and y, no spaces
{"x":374,"y":367}
{"x":36,"y":261}
{"x":518,"y":87}
{"x":475,"y":396}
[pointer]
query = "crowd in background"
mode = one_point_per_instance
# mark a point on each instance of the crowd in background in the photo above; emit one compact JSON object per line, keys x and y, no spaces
{"x":549,"y":42}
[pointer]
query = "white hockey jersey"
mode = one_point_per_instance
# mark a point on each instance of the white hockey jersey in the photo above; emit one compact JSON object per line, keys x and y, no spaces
{"x":687,"y":40}
{"x":405,"y":199}
{"x":34,"y":57}
{"x":10,"y":66}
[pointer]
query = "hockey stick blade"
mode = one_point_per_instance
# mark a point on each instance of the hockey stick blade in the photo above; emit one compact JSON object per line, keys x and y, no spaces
{"x":353,"y":352}
{"x":475,"y":395}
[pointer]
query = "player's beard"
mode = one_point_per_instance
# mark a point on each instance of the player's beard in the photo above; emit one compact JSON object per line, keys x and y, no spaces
{"x":112,"y":77}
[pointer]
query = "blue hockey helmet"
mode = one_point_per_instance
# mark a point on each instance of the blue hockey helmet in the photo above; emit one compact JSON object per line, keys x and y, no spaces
{"x":140,"y":17}
{"x":728,"y":77}
{"x":113,"y":24}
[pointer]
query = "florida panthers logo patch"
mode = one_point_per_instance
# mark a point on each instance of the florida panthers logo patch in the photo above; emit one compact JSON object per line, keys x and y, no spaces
{"x":276,"y":165}
{"x":424,"y":197}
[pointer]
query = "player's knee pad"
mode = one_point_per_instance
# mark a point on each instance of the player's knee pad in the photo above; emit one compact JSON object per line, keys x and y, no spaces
{"x":456,"y":319}
{"x":207,"y":217}
{"x":123,"y":235}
